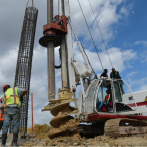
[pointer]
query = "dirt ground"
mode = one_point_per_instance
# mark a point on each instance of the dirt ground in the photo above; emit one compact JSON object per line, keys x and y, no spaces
{"x":42,"y":133}
{"x":76,"y":140}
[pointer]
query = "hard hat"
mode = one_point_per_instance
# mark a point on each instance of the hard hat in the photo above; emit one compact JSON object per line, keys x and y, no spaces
{"x":6,"y":86}
{"x":0,"y":99}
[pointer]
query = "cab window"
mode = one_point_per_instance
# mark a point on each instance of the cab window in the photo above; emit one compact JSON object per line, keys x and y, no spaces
{"x":118,"y":97}
{"x":102,"y":90}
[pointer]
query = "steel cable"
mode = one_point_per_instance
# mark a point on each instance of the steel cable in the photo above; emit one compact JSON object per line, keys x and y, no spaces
{"x":100,"y":33}
{"x":82,"y":46}
{"x":90,"y":34}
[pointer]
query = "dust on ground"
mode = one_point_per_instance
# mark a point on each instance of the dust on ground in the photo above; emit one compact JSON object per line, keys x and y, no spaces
{"x":43,"y":132}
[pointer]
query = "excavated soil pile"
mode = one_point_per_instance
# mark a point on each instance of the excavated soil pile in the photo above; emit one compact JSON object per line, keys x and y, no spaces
{"x":76,"y":140}
{"x":40,"y":131}
{"x":63,"y":129}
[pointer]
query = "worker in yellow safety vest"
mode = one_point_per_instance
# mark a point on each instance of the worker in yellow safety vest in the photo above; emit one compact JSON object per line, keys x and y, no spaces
{"x":11,"y":101}
{"x":1,"y":114}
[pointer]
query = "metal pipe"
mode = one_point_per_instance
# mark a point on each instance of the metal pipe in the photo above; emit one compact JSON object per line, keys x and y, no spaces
{"x":60,"y":8}
{"x":50,"y":56}
{"x":63,"y":52}
{"x":49,"y":11}
{"x":66,"y":51}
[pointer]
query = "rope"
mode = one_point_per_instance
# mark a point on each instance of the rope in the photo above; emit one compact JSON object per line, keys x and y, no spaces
{"x":91,"y":35}
{"x":100,"y":33}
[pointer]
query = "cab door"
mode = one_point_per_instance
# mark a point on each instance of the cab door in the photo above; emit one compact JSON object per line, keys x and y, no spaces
{"x":89,"y":100}
{"x":123,"y":96}
{"x":101,"y":95}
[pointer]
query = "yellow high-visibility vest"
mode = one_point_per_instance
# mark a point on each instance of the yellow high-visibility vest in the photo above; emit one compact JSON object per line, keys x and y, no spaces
{"x":11,"y":97}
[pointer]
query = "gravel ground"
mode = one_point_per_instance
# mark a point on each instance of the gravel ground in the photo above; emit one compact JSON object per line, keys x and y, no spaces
{"x":42,"y":133}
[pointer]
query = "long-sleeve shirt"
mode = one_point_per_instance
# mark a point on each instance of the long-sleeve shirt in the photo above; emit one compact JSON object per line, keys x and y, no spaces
{"x":115,"y":75}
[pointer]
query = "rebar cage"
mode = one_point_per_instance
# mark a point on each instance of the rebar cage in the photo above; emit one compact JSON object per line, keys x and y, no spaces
{"x":24,"y":63}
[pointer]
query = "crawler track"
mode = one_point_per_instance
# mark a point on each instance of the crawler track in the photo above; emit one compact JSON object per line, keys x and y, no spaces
{"x":120,"y":127}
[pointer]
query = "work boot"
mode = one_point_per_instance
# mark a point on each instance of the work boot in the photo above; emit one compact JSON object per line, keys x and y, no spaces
{"x":15,"y":138}
{"x":4,"y":137}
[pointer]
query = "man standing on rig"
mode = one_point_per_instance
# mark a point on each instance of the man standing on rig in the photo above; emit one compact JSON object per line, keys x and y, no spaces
{"x":11,"y":102}
{"x":104,"y":74}
{"x":114,"y":74}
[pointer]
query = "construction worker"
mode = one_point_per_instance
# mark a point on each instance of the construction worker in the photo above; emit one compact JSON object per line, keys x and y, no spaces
{"x":104,"y":74}
{"x":11,"y":101}
{"x":1,"y":114}
{"x":108,"y":97}
{"x":114,"y":74}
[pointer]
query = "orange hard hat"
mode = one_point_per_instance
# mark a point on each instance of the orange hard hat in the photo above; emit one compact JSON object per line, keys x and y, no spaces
{"x":6,"y":86}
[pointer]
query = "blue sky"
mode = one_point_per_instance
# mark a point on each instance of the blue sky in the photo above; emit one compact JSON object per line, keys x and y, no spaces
{"x":123,"y":24}
{"x":131,"y":34}
{"x":128,"y":34}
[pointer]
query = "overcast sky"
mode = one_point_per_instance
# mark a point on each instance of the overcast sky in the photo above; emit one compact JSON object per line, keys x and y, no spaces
{"x":123,"y":24}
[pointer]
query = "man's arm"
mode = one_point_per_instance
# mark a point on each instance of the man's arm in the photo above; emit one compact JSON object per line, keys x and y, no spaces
{"x":24,"y":93}
{"x":102,"y":75}
{"x":21,"y":92}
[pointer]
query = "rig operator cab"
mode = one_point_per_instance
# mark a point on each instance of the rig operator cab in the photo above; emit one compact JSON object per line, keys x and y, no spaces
{"x":124,"y":101}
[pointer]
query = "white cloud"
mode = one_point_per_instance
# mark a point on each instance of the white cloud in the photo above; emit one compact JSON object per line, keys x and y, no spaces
{"x":144,"y":43}
{"x":126,"y":9}
{"x":105,"y":11}
{"x":132,"y":73}
{"x":138,"y":83}
{"x":119,"y":58}
{"x":143,"y":87}
{"x":143,"y":56}
{"x":8,"y":67}
{"x":106,"y":15}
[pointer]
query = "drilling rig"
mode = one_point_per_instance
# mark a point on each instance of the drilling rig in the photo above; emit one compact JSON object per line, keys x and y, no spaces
{"x":123,"y":117}
{"x":57,"y":32}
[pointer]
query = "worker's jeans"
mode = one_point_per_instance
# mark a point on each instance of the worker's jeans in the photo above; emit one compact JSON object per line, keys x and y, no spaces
{"x":11,"y":113}
{"x":100,"y":104}
{"x":1,"y":124}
